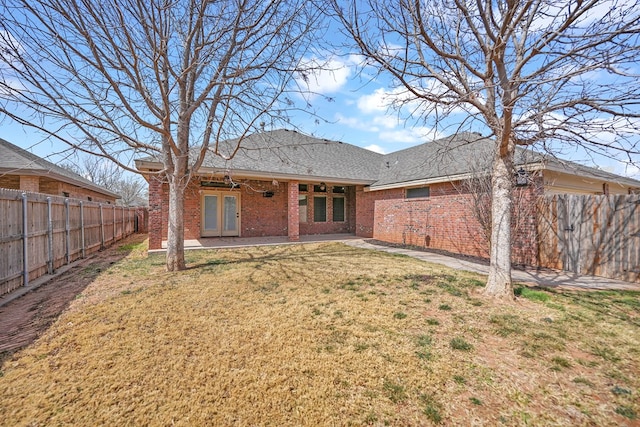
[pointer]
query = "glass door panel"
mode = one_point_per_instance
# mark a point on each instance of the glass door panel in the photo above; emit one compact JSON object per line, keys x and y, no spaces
{"x":230,"y":216}
{"x":210,"y":215}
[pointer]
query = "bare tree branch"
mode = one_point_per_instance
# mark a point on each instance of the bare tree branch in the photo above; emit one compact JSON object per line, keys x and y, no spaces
{"x":132,"y":78}
{"x":545,"y":73}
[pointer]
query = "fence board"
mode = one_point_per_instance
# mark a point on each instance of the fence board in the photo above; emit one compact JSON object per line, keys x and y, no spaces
{"x":598,"y":235}
{"x":64,"y":243}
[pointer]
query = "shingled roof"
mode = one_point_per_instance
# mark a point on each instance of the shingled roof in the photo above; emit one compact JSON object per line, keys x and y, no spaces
{"x":17,"y":161}
{"x":469,"y":154}
{"x":287,"y":154}
{"x":446,"y":159}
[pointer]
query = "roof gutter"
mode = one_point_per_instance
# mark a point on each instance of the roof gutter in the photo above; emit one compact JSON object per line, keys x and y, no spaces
{"x":444,"y":178}
{"x":607,"y":176}
{"x":66,"y":179}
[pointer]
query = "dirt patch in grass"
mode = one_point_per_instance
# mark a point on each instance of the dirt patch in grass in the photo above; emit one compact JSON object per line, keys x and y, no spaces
{"x":323,"y":334}
{"x":25,"y":319}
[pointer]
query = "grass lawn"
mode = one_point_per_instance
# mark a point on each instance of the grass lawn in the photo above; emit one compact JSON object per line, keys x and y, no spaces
{"x":323,"y":335}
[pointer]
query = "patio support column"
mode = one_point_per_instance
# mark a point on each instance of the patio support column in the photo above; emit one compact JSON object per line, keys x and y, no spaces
{"x":293,"y":212}
{"x":156,"y":197}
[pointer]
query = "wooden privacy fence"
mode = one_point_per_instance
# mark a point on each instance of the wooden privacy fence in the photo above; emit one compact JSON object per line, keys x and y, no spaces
{"x":40,"y":233}
{"x":588,"y":234}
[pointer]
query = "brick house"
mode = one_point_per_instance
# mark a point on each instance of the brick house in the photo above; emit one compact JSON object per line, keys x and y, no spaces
{"x":22,"y":170}
{"x":284,"y":183}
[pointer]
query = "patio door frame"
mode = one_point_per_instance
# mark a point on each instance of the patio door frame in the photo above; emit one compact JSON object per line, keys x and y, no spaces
{"x":219,"y":231}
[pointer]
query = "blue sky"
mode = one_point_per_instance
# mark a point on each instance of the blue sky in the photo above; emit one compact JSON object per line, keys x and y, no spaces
{"x":349,"y":105}
{"x":356,"y":112}
{"x":350,"y":109}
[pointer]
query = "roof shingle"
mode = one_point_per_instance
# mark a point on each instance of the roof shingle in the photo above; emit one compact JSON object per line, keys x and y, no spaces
{"x":17,"y":161}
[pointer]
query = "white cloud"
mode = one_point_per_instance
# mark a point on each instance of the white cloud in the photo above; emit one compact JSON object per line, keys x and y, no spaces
{"x":376,"y":102}
{"x":387,"y":121}
{"x":376,"y":148}
{"x":382,"y":99}
{"x":628,"y":170}
{"x":414,"y":135}
{"x":355,"y":123}
{"x":385,"y":101}
{"x":324,"y":76}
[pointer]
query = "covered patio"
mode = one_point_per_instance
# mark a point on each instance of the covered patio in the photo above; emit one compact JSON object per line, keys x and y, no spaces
{"x":238,"y":242}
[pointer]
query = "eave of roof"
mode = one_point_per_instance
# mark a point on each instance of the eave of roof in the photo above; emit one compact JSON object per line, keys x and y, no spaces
{"x":23,"y":162}
{"x":249,"y":174}
{"x":287,"y":155}
{"x":588,"y":172}
{"x":272,"y":155}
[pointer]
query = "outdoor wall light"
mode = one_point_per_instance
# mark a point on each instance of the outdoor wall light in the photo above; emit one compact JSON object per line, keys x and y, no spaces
{"x":522,"y":178}
{"x":323,"y":186}
{"x":227,"y":179}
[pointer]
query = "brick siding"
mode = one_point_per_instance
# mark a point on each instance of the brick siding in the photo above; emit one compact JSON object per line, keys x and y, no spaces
{"x":30,"y":183}
{"x":45,"y":185}
{"x":365,"y":207}
{"x":446,"y":221}
{"x":259,"y":215}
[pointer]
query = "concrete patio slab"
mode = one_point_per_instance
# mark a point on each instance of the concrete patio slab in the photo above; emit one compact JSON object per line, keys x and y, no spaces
{"x":239,"y":242}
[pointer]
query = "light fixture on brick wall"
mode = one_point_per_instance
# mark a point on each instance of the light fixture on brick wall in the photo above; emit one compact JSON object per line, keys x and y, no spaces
{"x":522,"y":178}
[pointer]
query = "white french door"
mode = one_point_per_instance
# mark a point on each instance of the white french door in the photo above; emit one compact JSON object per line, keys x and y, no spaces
{"x":220,"y":214}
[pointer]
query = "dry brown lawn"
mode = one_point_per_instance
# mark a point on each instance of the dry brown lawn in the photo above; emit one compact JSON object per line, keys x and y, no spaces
{"x":323,"y":335}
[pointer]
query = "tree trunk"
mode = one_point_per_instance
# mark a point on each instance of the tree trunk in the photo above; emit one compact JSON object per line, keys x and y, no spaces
{"x":499,"y":283}
{"x":175,"y":236}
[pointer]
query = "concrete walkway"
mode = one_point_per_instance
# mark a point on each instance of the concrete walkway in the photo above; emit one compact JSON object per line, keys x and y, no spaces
{"x":546,"y":277}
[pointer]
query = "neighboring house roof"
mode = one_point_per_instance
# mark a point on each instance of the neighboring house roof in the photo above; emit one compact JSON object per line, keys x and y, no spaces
{"x":17,"y":161}
{"x":282,"y":154}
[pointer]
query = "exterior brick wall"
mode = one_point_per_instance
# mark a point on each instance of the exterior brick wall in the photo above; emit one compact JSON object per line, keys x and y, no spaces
{"x":525,"y":239}
{"x":264,"y":216}
{"x":44,"y":185}
{"x":12,"y":182}
{"x":293,"y":212}
{"x":50,"y":186}
{"x":158,"y":198}
{"x":30,"y":183}
{"x":365,"y":207}
{"x":446,"y":221}
{"x":259,"y":215}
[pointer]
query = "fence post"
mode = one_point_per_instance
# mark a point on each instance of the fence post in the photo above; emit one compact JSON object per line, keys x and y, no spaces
{"x":123,"y":227}
{"x":114,"y":223}
{"x":25,"y":243}
{"x":82,"y":228}
{"x":67,"y":231}
{"x":101,"y":228}
{"x":49,"y":237}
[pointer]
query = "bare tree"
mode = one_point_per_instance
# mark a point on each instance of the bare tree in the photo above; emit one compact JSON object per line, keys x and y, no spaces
{"x":548,"y":72}
{"x":124,"y":79}
{"x":105,"y":173}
